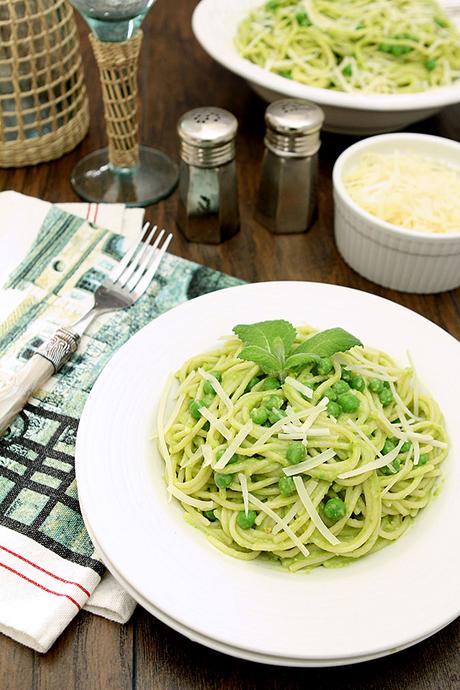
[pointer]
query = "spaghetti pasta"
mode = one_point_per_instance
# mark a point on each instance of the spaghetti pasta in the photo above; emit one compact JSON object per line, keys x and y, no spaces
{"x":273,"y":488}
{"x":366,"y":46}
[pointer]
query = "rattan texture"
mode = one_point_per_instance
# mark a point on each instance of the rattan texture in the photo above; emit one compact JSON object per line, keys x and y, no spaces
{"x":118,"y":71}
{"x":43,"y":101}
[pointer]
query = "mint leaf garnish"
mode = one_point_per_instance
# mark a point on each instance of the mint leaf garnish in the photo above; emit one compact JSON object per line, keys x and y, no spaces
{"x":269,"y":345}
{"x":327,"y":343}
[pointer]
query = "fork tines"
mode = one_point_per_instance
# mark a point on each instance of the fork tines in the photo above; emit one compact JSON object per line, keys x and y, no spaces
{"x":136,"y":270}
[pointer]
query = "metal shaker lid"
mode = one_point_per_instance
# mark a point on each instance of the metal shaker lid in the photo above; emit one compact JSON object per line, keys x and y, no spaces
{"x":293,"y":127}
{"x":207,"y":136}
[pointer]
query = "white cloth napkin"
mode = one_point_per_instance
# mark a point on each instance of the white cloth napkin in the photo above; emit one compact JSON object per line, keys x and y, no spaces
{"x":40,"y":591}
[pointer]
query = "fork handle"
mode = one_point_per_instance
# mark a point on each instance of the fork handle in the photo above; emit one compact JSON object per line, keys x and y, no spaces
{"x":41,"y":367}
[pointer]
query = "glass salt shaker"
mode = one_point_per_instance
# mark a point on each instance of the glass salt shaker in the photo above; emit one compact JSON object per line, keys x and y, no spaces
{"x":287,"y":194}
{"x":208,"y":198}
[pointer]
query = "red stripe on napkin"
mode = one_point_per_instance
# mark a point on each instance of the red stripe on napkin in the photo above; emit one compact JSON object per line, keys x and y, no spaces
{"x":37,"y":584}
{"x":47,"y":572}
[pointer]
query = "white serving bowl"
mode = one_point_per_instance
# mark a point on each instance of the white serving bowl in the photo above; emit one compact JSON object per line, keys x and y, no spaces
{"x":406,"y":260}
{"x":215,"y":24}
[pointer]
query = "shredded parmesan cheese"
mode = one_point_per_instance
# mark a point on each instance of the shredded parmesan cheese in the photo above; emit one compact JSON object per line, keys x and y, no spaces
{"x":218,"y":388}
{"x":407,"y":190}
{"x":208,"y":455}
{"x":233,"y":446}
{"x":309,"y":464}
{"x":382,"y":461}
{"x":174,"y":413}
{"x":300,"y":387}
{"x":216,"y":423}
{"x":271,"y":513}
{"x":312,"y":512}
{"x":290,"y":515}
{"x":244,"y":491}
{"x":195,"y":456}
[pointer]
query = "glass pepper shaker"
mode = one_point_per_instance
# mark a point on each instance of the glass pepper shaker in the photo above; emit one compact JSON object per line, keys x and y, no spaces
{"x":287,"y":196}
{"x":208,"y":198}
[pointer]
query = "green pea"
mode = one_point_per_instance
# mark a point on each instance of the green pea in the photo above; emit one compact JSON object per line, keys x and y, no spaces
{"x":222,"y":481}
{"x":210,"y":515}
{"x":273,"y":402}
{"x":269,"y":384}
{"x":235,"y":458}
{"x":309,"y":385}
{"x":296,"y":452}
{"x":272,"y":5}
{"x":347,"y":71}
{"x":286,"y":486}
{"x":388,"y":446}
{"x":325,"y":366}
{"x":246,"y":521}
{"x":303,"y":19}
{"x":208,"y":400}
{"x":400,"y":50}
{"x":259,"y":415}
{"x":253,"y":382}
{"x":340,"y":387}
{"x":443,"y":23}
{"x":357,"y":383}
{"x":275,"y":415}
{"x":386,"y":397}
{"x":330,"y":394}
{"x":423,"y":459}
{"x":334,"y":409}
{"x":194,"y":408}
{"x":430,"y":65}
{"x":346,"y":374}
{"x":405,"y":448}
{"x":392,"y":468}
{"x":360,"y":25}
{"x":335,"y":509}
{"x":208,"y":388}
{"x":348,"y":402}
{"x":375,"y":385}
{"x":286,"y":73}
{"x":206,"y":426}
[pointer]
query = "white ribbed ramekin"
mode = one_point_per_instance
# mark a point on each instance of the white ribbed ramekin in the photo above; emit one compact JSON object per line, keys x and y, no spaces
{"x":405,"y":260}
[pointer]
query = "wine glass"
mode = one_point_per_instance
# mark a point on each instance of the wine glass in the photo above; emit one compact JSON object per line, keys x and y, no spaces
{"x":125,"y":172}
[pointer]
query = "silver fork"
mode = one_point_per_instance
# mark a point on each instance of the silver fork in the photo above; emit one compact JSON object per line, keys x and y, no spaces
{"x":127,"y":283}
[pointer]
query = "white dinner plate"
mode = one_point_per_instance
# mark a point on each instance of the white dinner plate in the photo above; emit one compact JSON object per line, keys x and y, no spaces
{"x":379,"y":604}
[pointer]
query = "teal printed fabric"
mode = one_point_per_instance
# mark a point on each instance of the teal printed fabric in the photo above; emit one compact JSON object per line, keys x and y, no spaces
{"x":70,"y":258}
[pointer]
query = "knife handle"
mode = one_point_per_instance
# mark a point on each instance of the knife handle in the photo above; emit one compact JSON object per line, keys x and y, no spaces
{"x":39,"y":368}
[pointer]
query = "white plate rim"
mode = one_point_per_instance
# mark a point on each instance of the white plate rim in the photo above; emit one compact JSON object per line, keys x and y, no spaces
{"x":83,"y":487}
{"x":209,"y":642}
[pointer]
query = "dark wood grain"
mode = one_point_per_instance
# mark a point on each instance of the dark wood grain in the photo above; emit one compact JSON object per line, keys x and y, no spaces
{"x":175,"y":76}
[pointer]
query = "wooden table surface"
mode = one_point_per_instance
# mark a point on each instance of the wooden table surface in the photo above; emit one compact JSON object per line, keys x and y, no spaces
{"x":177,"y":75}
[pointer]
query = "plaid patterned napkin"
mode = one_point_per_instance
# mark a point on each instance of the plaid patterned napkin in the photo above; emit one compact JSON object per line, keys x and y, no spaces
{"x":49,"y":569}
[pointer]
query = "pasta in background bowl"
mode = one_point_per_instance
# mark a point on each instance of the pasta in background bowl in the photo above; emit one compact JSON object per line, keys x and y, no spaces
{"x":253,"y":609}
{"x":215,"y":24}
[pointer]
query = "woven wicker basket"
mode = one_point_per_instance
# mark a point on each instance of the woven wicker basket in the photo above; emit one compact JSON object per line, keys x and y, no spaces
{"x":43,"y":102}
